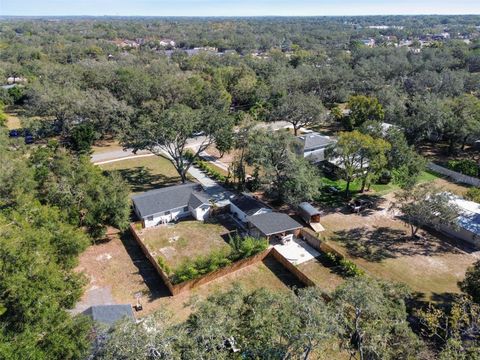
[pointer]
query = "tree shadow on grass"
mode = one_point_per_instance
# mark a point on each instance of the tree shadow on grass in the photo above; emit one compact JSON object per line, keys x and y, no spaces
{"x":141,"y":179}
{"x":156,"y":286}
{"x":382,"y":243}
{"x":282,"y":273}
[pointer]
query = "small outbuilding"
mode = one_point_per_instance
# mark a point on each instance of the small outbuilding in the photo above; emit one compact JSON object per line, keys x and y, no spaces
{"x":273,"y":224}
{"x":311,"y":215}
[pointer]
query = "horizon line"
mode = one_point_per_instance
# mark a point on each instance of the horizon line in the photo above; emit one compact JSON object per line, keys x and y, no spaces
{"x":242,"y":16}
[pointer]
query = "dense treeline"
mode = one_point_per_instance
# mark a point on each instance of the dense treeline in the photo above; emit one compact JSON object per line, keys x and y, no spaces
{"x":364,"y":319}
{"x":76,"y":85}
{"x":77,"y":74}
{"x":52,"y":205}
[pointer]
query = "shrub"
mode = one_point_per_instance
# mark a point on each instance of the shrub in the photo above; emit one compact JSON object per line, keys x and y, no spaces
{"x":192,"y":269}
{"x":465,"y":166}
{"x":473,"y":194}
{"x":242,"y":248}
{"x":163,"y":265}
{"x":348,"y":268}
{"x":245,"y":247}
{"x":210,"y":170}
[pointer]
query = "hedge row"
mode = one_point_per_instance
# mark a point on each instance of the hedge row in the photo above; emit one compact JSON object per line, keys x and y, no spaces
{"x":465,"y":167}
{"x":241,"y":248}
{"x":348,"y":268}
{"x":210,"y":170}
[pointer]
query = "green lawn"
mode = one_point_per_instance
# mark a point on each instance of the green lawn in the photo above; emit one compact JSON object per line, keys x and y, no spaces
{"x":145,"y":173}
{"x":336,"y":199}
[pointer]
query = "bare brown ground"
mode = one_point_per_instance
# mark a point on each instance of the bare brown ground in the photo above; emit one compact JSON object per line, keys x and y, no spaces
{"x":119,"y":267}
{"x":381,"y":244}
{"x":188,"y":239}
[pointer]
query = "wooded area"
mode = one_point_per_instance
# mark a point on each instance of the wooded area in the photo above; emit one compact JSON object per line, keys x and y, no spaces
{"x":77,"y":81}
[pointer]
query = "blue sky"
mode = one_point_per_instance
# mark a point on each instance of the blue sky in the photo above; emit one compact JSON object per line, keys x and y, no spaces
{"x":236,"y":7}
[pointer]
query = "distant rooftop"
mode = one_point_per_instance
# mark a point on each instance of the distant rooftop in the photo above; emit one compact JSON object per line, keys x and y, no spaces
{"x":315,"y":141}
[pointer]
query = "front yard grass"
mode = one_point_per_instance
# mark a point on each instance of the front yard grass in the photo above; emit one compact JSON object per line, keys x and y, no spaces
{"x":184,"y":241}
{"x":338,"y":199}
{"x":146,"y":173}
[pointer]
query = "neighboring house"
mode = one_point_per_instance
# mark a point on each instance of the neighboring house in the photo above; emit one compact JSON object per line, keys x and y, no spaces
{"x":272,"y":224}
{"x":243,"y":206}
{"x":167,"y":42}
{"x":314,"y":145}
{"x":468,"y":223}
{"x":172,"y":203}
{"x":110,"y":314}
{"x":16,"y":80}
{"x":368,"y":42}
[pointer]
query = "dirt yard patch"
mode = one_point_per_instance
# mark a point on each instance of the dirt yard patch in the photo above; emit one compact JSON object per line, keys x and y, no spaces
{"x":117,"y":270}
{"x":145,"y":173}
{"x":13,"y":121}
{"x":187,"y":240}
{"x":380,"y":243}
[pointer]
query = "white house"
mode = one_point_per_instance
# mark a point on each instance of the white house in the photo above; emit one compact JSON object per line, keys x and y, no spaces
{"x":167,"y":42}
{"x":243,"y":206}
{"x":314,"y":145}
{"x":172,"y":203}
{"x":468,"y":222}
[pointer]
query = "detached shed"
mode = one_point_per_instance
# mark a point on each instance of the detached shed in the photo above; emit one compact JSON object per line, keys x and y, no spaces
{"x":309,"y":213}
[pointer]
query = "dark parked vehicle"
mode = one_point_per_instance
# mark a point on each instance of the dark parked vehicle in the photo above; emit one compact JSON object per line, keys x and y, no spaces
{"x":358,"y":205}
{"x":29,"y":139}
{"x":14,"y":133}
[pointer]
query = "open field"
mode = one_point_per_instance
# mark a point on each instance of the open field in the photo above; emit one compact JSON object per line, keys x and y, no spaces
{"x":189,"y":239}
{"x":119,"y":268}
{"x":380,"y":243}
{"x":145,"y":173}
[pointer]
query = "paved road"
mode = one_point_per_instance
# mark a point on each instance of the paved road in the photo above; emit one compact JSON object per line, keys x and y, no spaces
{"x":115,"y":154}
{"x":220,"y":195}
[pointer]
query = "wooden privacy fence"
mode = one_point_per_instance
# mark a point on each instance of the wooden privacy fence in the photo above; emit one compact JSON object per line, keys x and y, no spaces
{"x":312,"y":239}
{"x":455,"y":176}
{"x":176,"y":289}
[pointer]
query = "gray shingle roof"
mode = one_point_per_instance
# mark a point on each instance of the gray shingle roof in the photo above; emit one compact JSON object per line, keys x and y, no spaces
{"x":110,"y":314}
{"x":315,"y":141}
{"x":273,"y":223}
{"x":198,"y":198}
{"x":160,"y":200}
{"x":247,"y":204}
